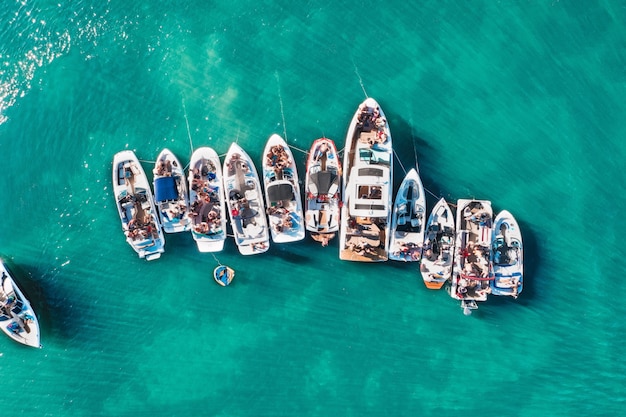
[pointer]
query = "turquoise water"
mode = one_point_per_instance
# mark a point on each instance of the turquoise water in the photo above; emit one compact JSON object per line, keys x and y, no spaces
{"x":517,"y":102}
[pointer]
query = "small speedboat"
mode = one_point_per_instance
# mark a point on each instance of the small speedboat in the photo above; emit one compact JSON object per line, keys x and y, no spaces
{"x":438,"y":248}
{"x":223,"y":275}
{"x":207,"y":200}
{"x":471,"y":273}
{"x":135,"y":206}
{"x":17,"y":318}
{"x":323,"y":194}
{"x":408,"y":220}
{"x":507,"y":256}
{"x":282,"y":192}
{"x":170,"y":193}
{"x":244,"y":199}
{"x":368,"y":186}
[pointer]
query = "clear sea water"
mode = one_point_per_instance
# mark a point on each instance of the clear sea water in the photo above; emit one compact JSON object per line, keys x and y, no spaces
{"x":518,"y":102}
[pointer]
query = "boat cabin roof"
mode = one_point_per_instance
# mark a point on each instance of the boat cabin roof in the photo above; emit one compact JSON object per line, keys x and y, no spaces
{"x":280,"y":191}
{"x":165,"y":189}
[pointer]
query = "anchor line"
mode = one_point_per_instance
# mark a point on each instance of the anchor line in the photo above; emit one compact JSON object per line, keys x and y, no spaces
{"x":356,"y":71}
{"x":187,"y":124}
{"x":282,"y":109}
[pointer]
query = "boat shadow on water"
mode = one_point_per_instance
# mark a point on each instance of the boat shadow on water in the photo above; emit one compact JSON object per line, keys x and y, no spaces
{"x":289,"y":255}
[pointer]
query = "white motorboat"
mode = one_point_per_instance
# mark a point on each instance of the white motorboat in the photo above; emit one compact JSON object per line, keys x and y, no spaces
{"x":135,"y":206}
{"x":17,"y":318}
{"x":438,"y":248}
{"x":170,"y":193}
{"x":207,"y":200}
{"x":323,"y":194}
{"x":244,"y":199}
{"x":471,"y":273}
{"x":408,"y":219}
{"x":367,"y":186}
{"x":282,"y":192}
{"x":507,"y":256}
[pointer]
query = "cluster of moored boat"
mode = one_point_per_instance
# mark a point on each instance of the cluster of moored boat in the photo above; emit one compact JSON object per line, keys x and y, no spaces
{"x":473,"y":252}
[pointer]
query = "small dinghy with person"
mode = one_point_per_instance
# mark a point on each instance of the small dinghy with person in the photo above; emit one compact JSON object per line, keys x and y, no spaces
{"x":17,"y":318}
{"x":408,"y":220}
{"x":170,"y":193}
{"x":438,"y":248}
{"x":507,"y":256}
{"x":244,"y":198}
{"x":323,"y":194}
{"x":135,"y":206}
{"x":208,"y":205}
{"x":223,"y":275}
{"x":282,"y":192}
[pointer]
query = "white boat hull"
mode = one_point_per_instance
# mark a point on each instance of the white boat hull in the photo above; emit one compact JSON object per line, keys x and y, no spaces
{"x":135,"y":206}
{"x":438,"y":250}
{"x":367,"y":187}
{"x":408,"y":220}
{"x":170,"y":193}
{"x":207,"y":200}
{"x":244,"y":199}
{"x":323,"y":191}
{"x":471,"y":272}
{"x":507,"y":256}
{"x":282,"y":192}
{"x":17,"y":318}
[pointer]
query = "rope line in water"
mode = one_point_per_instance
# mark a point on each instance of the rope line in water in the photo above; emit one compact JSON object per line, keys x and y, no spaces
{"x":356,"y":71}
{"x":187,"y":124}
{"x":298,"y":149}
{"x":282,"y":109}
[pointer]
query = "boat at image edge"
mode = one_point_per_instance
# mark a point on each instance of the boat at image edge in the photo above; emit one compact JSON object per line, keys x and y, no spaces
{"x":17,"y":318}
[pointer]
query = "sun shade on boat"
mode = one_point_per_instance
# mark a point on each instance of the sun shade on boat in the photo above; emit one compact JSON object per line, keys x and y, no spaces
{"x":165,"y":189}
{"x":278,"y":192}
{"x":323,"y":181}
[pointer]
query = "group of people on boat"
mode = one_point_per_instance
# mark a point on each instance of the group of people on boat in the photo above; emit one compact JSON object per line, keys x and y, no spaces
{"x":141,"y":224}
{"x":475,"y":213}
{"x":8,"y":302}
{"x":370,"y":119}
{"x":205,"y":211}
{"x":202,"y":177}
{"x":471,"y":288}
{"x":206,"y":214}
{"x":277,"y":158}
{"x":163,"y":168}
{"x":476,"y":260}
{"x":236,"y":163}
{"x":408,"y":250}
{"x":283,"y":220}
